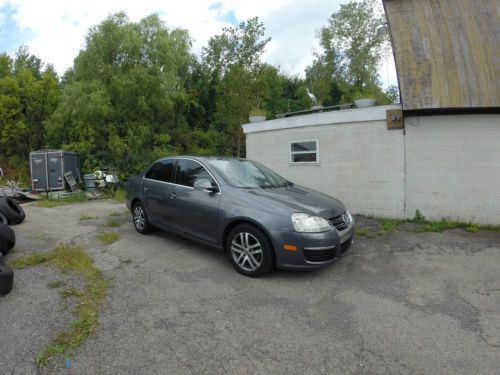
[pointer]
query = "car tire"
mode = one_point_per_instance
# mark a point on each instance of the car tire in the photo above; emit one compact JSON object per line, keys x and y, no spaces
{"x":249,"y":250}
{"x":140,"y":219}
{"x":7,"y":239}
{"x":12,"y":210}
{"x":3,"y":219}
{"x":6,"y":279}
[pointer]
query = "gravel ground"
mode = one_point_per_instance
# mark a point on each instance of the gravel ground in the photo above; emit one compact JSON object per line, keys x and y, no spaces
{"x":402,"y":303}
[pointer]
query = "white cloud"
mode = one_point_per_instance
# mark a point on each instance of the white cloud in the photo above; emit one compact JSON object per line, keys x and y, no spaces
{"x":59,"y":27}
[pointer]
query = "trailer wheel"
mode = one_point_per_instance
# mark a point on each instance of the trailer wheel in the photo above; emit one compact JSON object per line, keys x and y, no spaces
{"x":6,"y":279}
{"x":7,"y":239}
{"x":12,"y":210}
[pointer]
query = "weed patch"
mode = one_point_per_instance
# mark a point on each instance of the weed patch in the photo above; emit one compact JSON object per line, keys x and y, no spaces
{"x":390,"y":225}
{"x":363,"y":232}
{"x":117,"y":213}
{"x":111,"y":223}
{"x":108,"y":238}
{"x":85,"y":216}
{"x":55,"y":202}
{"x":71,"y":258}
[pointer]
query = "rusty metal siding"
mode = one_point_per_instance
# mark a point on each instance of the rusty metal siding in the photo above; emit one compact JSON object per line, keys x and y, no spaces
{"x":447,"y":52}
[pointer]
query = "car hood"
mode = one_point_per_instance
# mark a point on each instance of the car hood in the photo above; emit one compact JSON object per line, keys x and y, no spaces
{"x":300,"y":199}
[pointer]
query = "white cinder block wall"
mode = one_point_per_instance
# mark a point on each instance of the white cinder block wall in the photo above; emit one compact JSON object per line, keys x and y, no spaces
{"x":444,"y":166}
{"x":361,"y":163}
{"x":453,"y":167}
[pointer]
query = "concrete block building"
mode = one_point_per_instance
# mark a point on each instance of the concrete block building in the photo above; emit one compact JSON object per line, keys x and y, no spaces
{"x":438,"y":152}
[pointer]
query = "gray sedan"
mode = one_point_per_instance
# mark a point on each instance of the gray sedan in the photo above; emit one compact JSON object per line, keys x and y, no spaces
{"x":257,"y":217}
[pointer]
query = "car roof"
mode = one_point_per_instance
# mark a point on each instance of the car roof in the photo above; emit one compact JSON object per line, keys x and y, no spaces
{"x":203,"y":157}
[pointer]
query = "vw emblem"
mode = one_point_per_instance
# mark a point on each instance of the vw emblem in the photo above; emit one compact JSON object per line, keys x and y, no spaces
{"x":346,"y":218}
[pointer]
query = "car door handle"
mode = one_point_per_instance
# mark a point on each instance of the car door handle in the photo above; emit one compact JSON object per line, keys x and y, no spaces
{"x":173,"y":195}
{"x":146,"y":189}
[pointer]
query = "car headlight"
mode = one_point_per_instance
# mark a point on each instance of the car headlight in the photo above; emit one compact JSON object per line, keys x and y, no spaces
{"x":309,"y":223}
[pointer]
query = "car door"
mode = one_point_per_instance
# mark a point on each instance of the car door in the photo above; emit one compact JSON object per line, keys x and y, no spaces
{"x":156,"y":189}
{"x":194,"y":212}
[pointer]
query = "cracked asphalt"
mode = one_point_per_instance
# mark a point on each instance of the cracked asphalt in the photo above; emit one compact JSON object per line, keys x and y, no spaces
{"x":399,"y":303}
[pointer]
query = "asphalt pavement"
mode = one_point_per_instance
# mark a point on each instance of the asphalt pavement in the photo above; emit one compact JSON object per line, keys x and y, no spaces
{"x":399,"y":303}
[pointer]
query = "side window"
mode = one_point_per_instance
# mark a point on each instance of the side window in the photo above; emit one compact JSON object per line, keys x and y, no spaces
{"x":188,"y":171}
{"x":162,"y":171}
{"x":304,"y":152}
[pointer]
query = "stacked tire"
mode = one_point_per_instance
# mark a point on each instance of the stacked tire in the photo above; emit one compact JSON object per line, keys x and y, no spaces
{"x":10,"y":213}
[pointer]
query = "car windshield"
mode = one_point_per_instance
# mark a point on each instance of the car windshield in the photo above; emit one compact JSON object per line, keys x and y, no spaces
{"x":247,"y":174}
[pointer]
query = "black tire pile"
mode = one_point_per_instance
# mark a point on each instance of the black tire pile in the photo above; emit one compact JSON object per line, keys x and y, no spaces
{"x":11,"y":213}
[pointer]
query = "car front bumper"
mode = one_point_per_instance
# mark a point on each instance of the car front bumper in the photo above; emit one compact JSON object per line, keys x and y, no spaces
{"x":313,"y":250}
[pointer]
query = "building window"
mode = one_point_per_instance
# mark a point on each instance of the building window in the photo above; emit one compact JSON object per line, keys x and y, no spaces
{"x":304,"y":151}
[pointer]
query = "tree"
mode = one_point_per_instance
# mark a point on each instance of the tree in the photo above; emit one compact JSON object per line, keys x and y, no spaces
{"x":233,"y":61}
{"x":352,"y":43}
{"x":125,"y":95}
{"x":29,"y":93}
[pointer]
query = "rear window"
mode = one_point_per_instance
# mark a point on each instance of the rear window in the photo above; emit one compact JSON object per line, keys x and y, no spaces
{"x":162,"y":171}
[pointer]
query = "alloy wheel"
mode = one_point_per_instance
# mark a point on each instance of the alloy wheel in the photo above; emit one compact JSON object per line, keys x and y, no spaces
{"x":246,"y":251}
{"x":139,"y":218}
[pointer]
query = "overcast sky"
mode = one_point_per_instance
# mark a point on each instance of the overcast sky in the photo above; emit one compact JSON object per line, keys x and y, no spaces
{"x":55,"y":29}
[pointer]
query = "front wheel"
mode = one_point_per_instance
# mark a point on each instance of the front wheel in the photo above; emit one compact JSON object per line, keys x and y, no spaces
{"x":250,"y":251}
{"x":140,"y":219}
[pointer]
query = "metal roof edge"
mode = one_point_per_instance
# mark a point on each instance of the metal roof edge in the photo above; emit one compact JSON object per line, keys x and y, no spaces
{"x":375,"y":113}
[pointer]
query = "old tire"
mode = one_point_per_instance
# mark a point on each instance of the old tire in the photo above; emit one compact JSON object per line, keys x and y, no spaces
{"x":249,"y":250}
{"x":12,"y":210}
{"x":7,"y":239}
{"x":3,"y":219}
{"x":6,"y":279}
{"x":140,"y":219}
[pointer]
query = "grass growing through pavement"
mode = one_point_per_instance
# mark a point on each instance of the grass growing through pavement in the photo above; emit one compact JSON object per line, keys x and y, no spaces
{"x":117,"y":213}
{"x":111,"y":223}
{"x":424,"y":225}
{"x":71,"y":258}
{"x":389,"y":225}
{"x":120,"y":195}
{"x":55,"y":202}
{"x":363,"y":232}
{"x":85,"y":216}
{"x":108,"y":238}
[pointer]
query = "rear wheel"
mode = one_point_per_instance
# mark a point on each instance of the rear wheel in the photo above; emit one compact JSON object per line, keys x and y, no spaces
{"x":249,"y":250}
{"x":140,"y":219}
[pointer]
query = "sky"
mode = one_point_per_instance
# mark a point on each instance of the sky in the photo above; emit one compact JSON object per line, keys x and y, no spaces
{"x":55,"y":30}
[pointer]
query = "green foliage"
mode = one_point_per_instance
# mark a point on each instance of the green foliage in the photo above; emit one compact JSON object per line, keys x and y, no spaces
{"x":28,"y":96}
{"x":125,"y":94}
{"x":108,"y":238}
{"x":364,"y":232}
{"x":419,"y":218}
{"x":111,"y":223}
{"x":62,"y":201}
{"x":353,"y":48}
{"x":390,"y":225}
{"x":136,"y":93}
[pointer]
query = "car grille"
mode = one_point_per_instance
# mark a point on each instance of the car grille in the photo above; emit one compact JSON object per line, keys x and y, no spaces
{"x":338,"y":222}
{"x":345,"y":246}
{"x":319,"y":255}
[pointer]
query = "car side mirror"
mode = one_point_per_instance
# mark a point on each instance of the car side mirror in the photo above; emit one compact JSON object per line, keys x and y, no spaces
{"x":205,"y":184}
